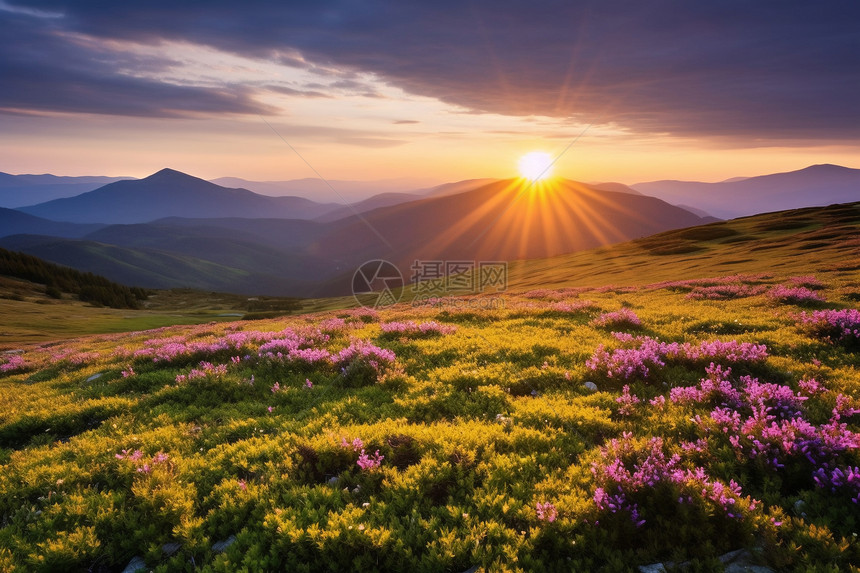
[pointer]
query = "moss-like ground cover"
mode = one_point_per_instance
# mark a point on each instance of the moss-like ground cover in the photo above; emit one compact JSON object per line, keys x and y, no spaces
{"x":569,"y":429}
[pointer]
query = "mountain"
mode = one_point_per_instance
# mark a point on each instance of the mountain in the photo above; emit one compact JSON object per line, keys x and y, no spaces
{"x":57,"y":280}
{"x":170,"y":193}
{"x":329,"y":191}
{"x":22,"y":190}
{"x":151,"y":268}
{"x":502,"y":220}
{"x":453,"y":188}
{"x":284,"y":252}
{"x":375,"y":202}
{"x":816,"y":185}
{"x":616,"y":187}
{"x":13,"y":222}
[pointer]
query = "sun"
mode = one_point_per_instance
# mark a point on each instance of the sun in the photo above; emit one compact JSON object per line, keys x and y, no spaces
{"x":536,"y":165}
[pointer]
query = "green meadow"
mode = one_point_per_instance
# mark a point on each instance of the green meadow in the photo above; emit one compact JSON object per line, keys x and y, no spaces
{"x":672,"y":399}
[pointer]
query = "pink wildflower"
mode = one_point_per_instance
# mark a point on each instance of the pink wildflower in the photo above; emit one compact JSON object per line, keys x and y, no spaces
{"x":546,"y":512}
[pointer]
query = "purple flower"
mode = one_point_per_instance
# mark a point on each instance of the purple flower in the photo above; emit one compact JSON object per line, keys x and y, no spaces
{"x":421,"y":329}
{"x":630,"y":363}
{"x":794,"y":295}
{"x":573,"y":307}
{"x":838,"y":325}
{"x":14,"y":362}
{"x":626,"y":471}
{"x":620,"y":318}
{"x":627,"y":401}
{"x":369,"y":462}
{"x":546,"y":512}
{"x":355,"y":445}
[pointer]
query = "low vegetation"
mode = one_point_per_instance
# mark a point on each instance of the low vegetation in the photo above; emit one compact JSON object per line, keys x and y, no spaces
{"x":572,"y":429}
{"x":562,"y":428}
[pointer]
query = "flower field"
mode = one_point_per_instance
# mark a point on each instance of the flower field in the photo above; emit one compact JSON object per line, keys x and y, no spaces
{"x":566,"y":429}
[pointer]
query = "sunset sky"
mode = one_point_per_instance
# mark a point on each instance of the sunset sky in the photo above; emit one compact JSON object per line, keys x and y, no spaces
{"x":430,"y":91}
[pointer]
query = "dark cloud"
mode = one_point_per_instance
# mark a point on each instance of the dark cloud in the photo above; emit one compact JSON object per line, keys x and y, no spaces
{"x":765,"y":70}
{"x":46,"y":69}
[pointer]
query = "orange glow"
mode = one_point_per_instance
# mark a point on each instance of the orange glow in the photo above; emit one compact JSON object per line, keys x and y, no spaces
{"x":536,"y":165}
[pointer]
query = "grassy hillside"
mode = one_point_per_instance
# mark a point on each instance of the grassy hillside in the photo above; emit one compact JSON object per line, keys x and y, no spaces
{"x":57,"y":280}
{"x":796,"y":241}
{"x":31,"y":317}
{"x":567,"y":428}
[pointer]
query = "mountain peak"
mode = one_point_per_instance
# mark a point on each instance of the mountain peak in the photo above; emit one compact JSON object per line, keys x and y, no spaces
{"x":828,"y":167}
{"x":167,"y":173}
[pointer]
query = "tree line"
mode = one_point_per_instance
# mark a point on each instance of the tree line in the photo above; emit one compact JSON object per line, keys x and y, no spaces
{"x":57,"y":279}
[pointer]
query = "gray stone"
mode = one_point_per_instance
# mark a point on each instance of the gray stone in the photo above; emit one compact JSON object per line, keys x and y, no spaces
{"x":734,"y":556}
{"x":95,"y":376}
{"x":223,"y":545}
{"x":747,"y":568}
{"x":741,"y":561}
{"x":136,"y":564}
{"x":170,"y":548}
{"x":653,"y":568}
{"x":593,"y":387}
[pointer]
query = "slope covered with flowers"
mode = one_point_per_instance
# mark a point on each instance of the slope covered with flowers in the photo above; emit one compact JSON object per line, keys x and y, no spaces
{"x":555,"y":430}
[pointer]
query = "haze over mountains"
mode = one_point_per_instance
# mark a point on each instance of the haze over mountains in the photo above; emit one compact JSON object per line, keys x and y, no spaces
{"x":22,"y":190}
{"x":171,"y":193}
{"x":172,"y":229}
{"x":334,"y":191}
{"x":817,"y":185}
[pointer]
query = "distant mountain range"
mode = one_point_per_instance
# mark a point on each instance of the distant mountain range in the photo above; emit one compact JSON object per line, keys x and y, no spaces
{"x":171,"y":193}
{"x":13,"y":222}
{"x":256,"y":252}
{"x":329,"y":191}
{"x":817,"y":185}
{"x":22,"y":190}
{"x":172,"y":229}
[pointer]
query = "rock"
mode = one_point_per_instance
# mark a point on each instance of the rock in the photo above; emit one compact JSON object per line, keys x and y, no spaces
{"x":653,"y":568}
{"x":472,"y":569}
{"x":593,"y":387}
{"x":222,"y":545}
{"x":95,"y":376}
{"x":799,"y":508}
{"x":746,"y":568}
{"x":734,"y":556}
{"x":136,"y":564}
{"x":741,"y":561}
{"x":170,"y":548}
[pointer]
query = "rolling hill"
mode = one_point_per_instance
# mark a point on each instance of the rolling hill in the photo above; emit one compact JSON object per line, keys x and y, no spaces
{"x":147,"y":267}
{"x":816,"y":185}
{"x":171,"y":193}
{"x":509,"y":220}
{"x":504,"y":220}
{"x":329,"y":191}
{"x":13,"y":222}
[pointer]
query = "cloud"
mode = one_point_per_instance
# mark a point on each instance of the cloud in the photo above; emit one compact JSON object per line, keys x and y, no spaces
{"x":47,"y":69}
{"x":725,"y":68}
